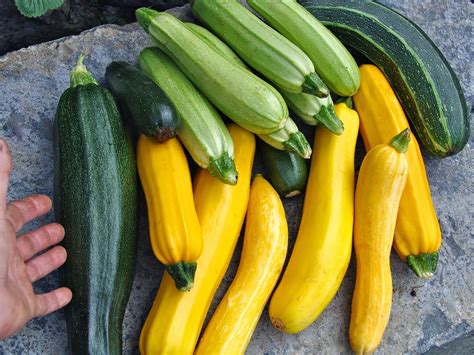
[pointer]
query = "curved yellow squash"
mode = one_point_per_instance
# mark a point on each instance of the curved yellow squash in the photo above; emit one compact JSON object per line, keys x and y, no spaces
{"x":175,"y":233}
{"x":380,"y":185}
{"x":324,"y":243}
{"x":417,"y":233}
{"x":175,"y":320}
{"x":263,"y":254}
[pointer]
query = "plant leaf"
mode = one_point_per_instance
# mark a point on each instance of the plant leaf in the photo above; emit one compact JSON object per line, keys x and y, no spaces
{"x":36,"y":8}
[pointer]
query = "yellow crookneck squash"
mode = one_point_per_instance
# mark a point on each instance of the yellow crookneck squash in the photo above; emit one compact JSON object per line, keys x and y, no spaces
{"x":324,"y":243}
{"x":417,"y":233}
{"x":176,"y":318}
{"x":175,"y":233}
{"x":380,"y":185}
{"x":263,"y":254}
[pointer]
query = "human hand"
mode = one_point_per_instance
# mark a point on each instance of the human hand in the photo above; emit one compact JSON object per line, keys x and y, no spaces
{"x":19,"y":267}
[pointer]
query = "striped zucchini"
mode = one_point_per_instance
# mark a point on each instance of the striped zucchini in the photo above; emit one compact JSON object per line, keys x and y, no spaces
{"x":239,"y":94}
{"x":424,"y":82}
{"x":332,"y":61}
{"x":202,"y":130}
{"x":260,"y":46}
{"x":315,"y":111}
{"x":288,"y":138}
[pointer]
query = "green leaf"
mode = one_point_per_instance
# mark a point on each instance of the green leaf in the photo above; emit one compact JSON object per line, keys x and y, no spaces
{"x":35,"y":8}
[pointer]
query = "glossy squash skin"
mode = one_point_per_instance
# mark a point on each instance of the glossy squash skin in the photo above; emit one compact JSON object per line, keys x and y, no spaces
{"x":380,"y":185}
{"x":263,"y":254}
{"x":417,"y":233}
{"x":176,"y":318}
{"x":324,"y":243}
{"x":175,"y":233}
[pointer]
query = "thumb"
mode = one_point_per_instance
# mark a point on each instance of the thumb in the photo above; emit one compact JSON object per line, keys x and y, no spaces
{"x":5,"y":169}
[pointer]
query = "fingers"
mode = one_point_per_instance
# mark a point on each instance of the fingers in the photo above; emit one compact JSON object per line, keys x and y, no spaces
{"x":23,"y":211}
{"x":5,"y":169}
{"x":32,"y":243}
{"x":45,"y":263}
{"x":52,"y":301}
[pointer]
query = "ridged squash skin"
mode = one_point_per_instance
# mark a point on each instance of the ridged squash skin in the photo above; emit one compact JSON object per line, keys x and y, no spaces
{"x":176,"y":318}
{"x":333,"y":62}
{"x":263,"y":255}
{"x":242,"y":96}
{"x":96,"y":201}
{"x":380,"y":185}
{"x":175,"y":233}
{"x":417,"y":233}
{"x":323,"y":246}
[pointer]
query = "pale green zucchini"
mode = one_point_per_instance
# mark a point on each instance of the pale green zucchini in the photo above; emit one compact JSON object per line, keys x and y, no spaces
{"x":239,"y":94}
{"x":202,"y":130}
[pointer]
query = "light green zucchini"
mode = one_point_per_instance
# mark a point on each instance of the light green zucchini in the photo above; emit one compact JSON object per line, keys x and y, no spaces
{"x":202,"y":130}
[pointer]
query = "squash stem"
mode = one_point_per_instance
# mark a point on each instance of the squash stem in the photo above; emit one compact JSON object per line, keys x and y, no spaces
{"x":327,"y":118}
{"x":224,"y":169}
{"x":145,"y":16}
{"x":80,"y":75}
{"x":401,"y":140}
{"x":183,"y":275}
{"x":346,"y":100}
{"x":424,"y":265}
{"x":298,"y":144}
{"x":313,"y":85}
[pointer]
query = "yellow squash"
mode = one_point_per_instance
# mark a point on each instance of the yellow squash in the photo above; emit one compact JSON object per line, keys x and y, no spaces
{"x":263,"y":254}
{"x":417,"y":233}
{"x":175,"y":320}
{"x":324,"y":243}
{"x":380,"y":185}
{"x":175,"y":233}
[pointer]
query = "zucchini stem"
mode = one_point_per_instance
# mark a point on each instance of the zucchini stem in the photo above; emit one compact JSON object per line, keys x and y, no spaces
{"x":327,"y":118}
{"x":313,"y":85}
{"x":347,"y":100}
{"x":298,"y":144}
{"x":145,"y":16}
{"x":424,"y":265}
{"x":401,"y":140}
{"x":80,"y":75}
{"x":224,"y":169}
{"x":183,"y":275}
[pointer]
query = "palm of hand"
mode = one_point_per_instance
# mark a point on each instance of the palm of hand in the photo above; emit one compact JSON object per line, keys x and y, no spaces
{"x":19,"y":267}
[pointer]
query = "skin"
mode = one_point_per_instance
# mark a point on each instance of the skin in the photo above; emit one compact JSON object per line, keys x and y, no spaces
{"x":20,"y":265}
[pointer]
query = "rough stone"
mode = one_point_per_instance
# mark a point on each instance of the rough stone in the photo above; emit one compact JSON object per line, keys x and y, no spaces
{"x":435,"y":315}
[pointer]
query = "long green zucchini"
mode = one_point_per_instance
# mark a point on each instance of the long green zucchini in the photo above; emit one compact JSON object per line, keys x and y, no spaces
{"x":332,"y":61}
{"x":202,"y":130}
{"x":424,"y":82}
{"x":96,"y":187}
{"x":239,"y":94}
{"x":142,"y":102}
{"x":260,"y":46}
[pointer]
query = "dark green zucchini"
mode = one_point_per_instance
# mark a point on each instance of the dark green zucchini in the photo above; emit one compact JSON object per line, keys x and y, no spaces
{"x":96,"y":187}
{"x":286,"y":171}
{"x":420,"y":75}
{"x":142,"y":101}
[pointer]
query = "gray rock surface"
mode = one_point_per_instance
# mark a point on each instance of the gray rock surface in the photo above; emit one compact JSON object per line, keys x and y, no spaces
{"x":438,"y":317}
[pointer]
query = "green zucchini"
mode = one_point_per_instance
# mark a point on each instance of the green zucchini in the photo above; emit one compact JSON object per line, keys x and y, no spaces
{"x":287,"y":172}
{"x":96,"y":187}
{"x":424,"y":82}
{"x":239,"y":94}
{"x":288,"y":138}
{"x":202,"y":130}
{"x":141,"y":101}
{"x":315,"y":111}
{"x":332,"y":61}
{"x":260,"y":46}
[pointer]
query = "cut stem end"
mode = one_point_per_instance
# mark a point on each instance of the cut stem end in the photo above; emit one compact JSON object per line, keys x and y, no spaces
{"x":327,"y":118}
{"x":183,"y":275}
{"x":80,"y":75}
{"x":224,"y":169}
{"x":424,"y":265}
{"x":298,"y":144}
{"x":313,"y":85}
{"x":401,"y":140}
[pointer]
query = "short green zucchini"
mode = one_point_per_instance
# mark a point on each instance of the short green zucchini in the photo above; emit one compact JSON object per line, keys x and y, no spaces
{"x":239,"y":94}
{"x":260,"y":46}
{"x":141,"y":101}
{"x":424,"y":82}
{"x":202,"y":130}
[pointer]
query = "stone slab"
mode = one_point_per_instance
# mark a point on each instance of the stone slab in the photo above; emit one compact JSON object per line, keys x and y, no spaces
{"x":437,"y":317}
